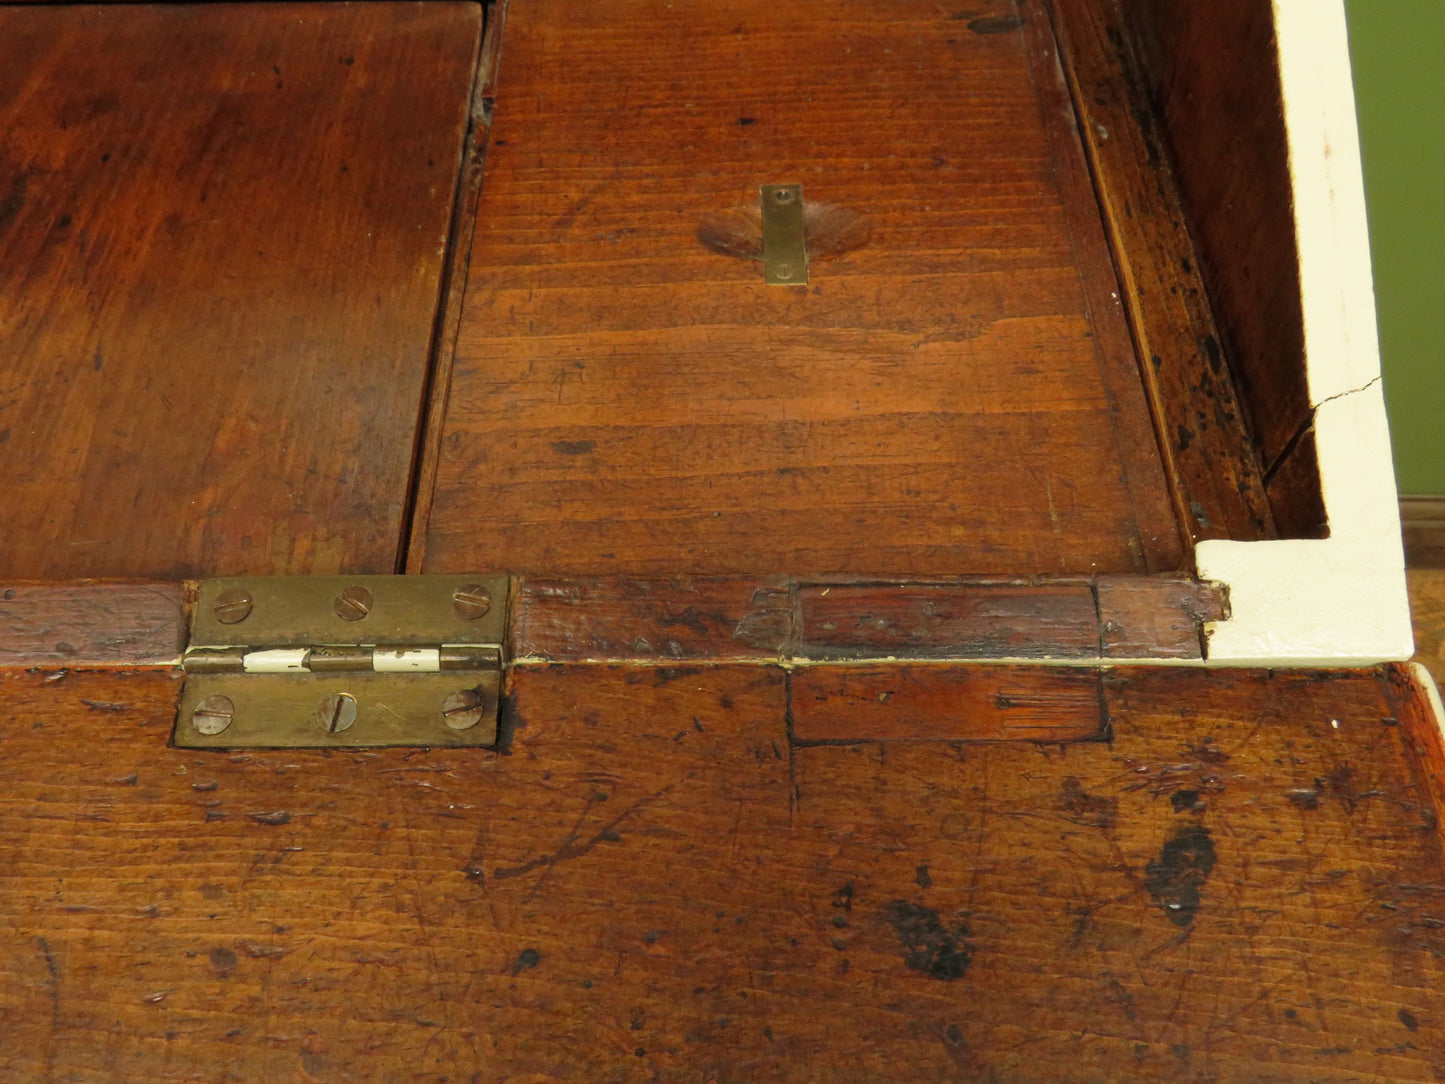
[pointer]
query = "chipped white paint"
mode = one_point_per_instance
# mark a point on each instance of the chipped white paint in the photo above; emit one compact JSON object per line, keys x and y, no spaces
{"x":1340,"y":600}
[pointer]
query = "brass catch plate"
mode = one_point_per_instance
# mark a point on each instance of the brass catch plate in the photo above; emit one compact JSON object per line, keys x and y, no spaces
{"x":288,"y":711}
{"x":785,"y":253}
{"x":272,"y":611}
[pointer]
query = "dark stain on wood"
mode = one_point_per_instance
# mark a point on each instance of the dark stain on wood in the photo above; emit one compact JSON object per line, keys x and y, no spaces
{"x":1177,"y":877}
{"x":940,"y":951}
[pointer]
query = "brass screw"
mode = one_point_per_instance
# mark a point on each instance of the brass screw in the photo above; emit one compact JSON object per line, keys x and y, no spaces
{"x":353,"y":604}
{"x":336,"y":712}
{"x":213,"y":715}
{"x":783,"y":271}
{"x":232,"y":606}
{"x":783,"y":195}
{"x":471,"y":601}
{"x":463,"y":710}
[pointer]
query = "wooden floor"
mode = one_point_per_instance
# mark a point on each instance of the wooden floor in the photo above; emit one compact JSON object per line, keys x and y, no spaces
{"x":652,"y":882}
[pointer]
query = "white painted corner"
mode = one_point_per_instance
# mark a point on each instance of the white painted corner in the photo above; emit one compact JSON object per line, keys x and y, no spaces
{"x":1342,"y":600}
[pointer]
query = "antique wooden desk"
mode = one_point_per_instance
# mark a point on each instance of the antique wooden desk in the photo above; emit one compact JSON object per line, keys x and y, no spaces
{"x":976,"y":661}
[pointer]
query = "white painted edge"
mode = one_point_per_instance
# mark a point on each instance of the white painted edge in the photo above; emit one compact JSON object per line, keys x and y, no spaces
{"x":1342,"y":600}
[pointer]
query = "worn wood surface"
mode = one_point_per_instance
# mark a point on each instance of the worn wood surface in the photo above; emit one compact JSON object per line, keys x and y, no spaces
{"x":1215,"y":77}
{"x":653,"y":884}
{"x":1203,"y":437}
{"x":92,"y":624}
{"x":625,"y":400}
{"x":221,"y":239}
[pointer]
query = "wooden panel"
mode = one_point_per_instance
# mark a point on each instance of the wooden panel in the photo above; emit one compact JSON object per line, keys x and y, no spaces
{"x":625,"y":400}
{"x":1206,"y":445}
{"x":221,"y":239}
{"x":1215,"y":73}
{"x":97,"y":624}
{"x":959,"y":703}
{"x":654,"y":882}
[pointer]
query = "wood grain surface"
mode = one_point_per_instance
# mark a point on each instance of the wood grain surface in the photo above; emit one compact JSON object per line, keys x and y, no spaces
{"x":222,"y":231}
{"x":625,"y":400}
{"x":1214,"y":74}
{"x":651,"y":883}
{"x":92,"y":624}
{"x":1204,"y":439}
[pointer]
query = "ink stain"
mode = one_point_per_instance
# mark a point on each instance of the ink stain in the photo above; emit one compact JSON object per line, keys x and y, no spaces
{"x":938,"y":951}
{"x":1408,"y":1019}
{"x":1186,"y":801}
{"x":527,"y":959}
{"x":1177,"y":877}
{"x":922,"y":878}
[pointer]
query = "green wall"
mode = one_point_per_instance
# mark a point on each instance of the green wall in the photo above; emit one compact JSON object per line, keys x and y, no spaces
{"x":1396,"y":47}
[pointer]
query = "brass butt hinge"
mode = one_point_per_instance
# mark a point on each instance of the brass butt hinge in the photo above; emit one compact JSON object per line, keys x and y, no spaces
{"x":344,"y":662}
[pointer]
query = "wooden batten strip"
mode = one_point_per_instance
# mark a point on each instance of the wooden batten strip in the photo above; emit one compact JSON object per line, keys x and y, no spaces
{"x":791,"y":623}
{"x":92,"y":625}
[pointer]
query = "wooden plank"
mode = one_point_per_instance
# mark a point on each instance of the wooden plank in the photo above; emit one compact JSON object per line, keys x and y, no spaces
{"x":92,"y":624}
{"x":1204,"y":439}
{"x":220,"y":252}
{"x":1148,"y":618}
{"x":1225,"y":129}
{"x":958,"y":703}
{"x":1234,"y":888}
{"x":975,"y":621}
{"x":627,"y":401}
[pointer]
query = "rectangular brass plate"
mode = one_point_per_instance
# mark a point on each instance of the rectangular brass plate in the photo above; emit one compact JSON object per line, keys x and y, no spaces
{"x":280,"y":711}
{"x":785,"y":255}
{"x":302,"y":611}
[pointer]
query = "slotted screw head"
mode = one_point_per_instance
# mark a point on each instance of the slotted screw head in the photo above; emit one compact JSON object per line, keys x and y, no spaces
{"x":471,"y":601}
{"x":464,"y":709}
{"x":353,"y":604}
{"x":212,"y":715}
{"x":232,"y":606}
{"x":336,"y":712}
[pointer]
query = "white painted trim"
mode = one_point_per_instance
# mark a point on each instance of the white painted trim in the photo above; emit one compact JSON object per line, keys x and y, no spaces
{"x":1341,"y":600}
